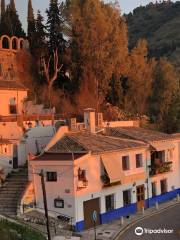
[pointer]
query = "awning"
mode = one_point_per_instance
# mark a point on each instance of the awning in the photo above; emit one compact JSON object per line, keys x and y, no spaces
{"x":160,"y":146}
{"x":112,"y":166}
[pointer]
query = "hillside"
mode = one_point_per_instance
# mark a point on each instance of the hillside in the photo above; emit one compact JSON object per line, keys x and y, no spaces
{"x":159,"y":23}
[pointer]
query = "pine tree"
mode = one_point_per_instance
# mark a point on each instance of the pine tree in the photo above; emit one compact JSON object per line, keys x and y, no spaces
{"x":31,"y":26}
{"x":55,"y":24}
{"x":40,"y":31}
{"x":3,"y":10}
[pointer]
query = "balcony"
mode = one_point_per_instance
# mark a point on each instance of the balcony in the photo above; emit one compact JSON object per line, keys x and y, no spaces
{"x":162,"y":167}
{"x":82,"y":180}
{"x":82,"y":184}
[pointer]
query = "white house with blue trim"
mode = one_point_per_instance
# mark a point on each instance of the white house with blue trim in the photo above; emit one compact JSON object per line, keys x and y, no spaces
{"x":113,"y":171}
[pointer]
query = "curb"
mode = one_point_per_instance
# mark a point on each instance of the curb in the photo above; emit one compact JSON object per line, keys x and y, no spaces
{"x":121,"y":232}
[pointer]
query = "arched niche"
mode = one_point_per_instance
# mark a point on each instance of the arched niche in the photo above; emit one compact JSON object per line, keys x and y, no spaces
{"x":5,"y":42}
{"x":14,"y":43}
{"x":21,"y":43}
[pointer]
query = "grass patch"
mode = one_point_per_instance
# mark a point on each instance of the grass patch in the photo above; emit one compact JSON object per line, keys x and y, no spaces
{"x":13,"y":231}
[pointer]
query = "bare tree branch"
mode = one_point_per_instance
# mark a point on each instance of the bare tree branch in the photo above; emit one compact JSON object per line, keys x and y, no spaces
{"x":50,"y":79}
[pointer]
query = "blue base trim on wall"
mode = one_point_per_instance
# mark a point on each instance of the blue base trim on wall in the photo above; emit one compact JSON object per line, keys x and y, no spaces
{"x":117,"y":213}
{"x":79,"y":226}
{"x":130,"y":209}
{"x":162,"y":198}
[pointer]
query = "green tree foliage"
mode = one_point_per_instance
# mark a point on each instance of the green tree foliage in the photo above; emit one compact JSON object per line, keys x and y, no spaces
{"x":139,"y":79}
{"x":3,"y":8}
{"x":55,"y":25}
{"x":165,"y":93}
{"x":10,"y":23}
{"x":31,"y":31}
{"x":12,"y":5}
{"x":40,"y":32}
{"x":171,"y":119}
{"x":98,"y":47}
{"x":116,"y":90}
{"x":159,"y":24}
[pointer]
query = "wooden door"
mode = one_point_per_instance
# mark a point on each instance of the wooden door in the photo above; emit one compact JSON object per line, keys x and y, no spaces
{"x":89,"y":207}
{"x":140,"y":197}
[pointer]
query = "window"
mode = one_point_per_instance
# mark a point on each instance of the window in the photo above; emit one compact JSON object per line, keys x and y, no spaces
{"x":109,"y":202}
{"x":51,"y":177}
{"x":81,"y":174}
{"x":12,"y":109}
{"x":153,"y":186}
{"x":158,"y":157}
{"x":127,"y":197}
{"x":125,"y":163}
{"x":58,"y":203}
{"x":139,"y":162}
{"x":5,"y":150}
{"x":12,"y":106}
{"x":163,"y":184}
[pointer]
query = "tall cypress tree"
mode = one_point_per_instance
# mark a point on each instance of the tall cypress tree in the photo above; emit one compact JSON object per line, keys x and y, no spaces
{"x":3,"y":10}
{"x":12,"y":5}
{"x":55,"y":25}
{"x":3,"y":7}
{"x":31,"y":26}
{"x":10,"y":23}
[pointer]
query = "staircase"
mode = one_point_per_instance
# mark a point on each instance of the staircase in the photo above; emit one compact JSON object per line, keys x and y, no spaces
{"x":11,"y":192}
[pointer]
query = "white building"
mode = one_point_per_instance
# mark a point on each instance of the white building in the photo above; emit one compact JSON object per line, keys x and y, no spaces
{"x":26,"y":127}
{"x":115,"y":173}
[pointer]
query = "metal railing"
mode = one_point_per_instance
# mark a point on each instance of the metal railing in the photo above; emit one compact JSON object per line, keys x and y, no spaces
{"x":159,"y":168}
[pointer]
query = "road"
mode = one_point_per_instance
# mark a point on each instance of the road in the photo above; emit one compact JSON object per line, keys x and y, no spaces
{"x":169,"y":220}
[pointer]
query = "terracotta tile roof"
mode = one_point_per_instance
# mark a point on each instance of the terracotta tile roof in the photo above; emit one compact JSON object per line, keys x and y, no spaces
{"x":176,"y":135}
{"x":83,"y":141}
{"x":66,"y":144}
{"x":4,"y":141}
{"x":59,"y":156}
{"x":138,"y":133}
{"x":12,"y":85}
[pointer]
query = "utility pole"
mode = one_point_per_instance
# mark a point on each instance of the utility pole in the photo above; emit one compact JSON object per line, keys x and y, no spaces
{"x":45,"y":204}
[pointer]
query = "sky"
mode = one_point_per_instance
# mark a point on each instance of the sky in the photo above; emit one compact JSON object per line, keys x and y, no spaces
{"x":21,"y":6}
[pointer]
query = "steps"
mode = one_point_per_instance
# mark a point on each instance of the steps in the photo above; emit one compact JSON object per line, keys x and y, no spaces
{"x":11,"y":192}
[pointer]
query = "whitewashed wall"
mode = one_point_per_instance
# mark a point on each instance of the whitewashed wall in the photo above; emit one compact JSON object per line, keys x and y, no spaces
{"x":38,"y":137}
{"x":6,"y":162}
{"x":57,"y":189}
{"x":92,"y":165}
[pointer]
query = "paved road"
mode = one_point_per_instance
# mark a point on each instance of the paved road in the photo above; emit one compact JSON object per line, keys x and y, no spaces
{"x":170,"y":219}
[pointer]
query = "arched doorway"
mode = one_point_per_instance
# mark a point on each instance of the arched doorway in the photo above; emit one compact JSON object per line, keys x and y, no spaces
{"x":14,"y":43}
{"x":5,"y":42}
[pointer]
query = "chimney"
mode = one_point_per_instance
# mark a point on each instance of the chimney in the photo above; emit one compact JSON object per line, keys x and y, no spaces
{"x":89,"y":119}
